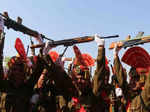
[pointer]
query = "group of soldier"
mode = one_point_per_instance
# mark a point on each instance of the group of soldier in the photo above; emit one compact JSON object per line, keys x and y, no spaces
{"x":40,"y":84}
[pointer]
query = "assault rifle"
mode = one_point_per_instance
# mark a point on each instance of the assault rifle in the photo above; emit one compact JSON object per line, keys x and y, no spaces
{"x":139,"y":39}
{"x":18,"y":26}
{"x":70,"y":42}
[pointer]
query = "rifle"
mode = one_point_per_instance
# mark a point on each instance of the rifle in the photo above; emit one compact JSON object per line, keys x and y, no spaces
{"x":70,"y":42}
{"x":18,"y":26}
{"x":139,"y":39}
{"x":32,"y":50}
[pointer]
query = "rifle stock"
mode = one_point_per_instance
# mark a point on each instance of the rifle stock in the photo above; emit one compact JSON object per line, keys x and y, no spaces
{"x":70,"y":42}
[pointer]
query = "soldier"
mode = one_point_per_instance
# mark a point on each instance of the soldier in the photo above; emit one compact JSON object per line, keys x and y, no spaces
{"x":137,"y":98}
{"x":19,"y":88}
{"x":117,"y":95}
{"x":78,"y":92}
{"x":46,"y":95}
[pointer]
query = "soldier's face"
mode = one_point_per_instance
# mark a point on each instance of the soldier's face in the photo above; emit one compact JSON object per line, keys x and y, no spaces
{"x":136,"y":83}
{"x":81,"y":80}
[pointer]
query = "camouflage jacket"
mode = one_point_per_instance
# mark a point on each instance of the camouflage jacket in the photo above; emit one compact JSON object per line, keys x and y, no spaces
{"x":138,"y":102}
{"x":93,"y":101}
{"x":19,"y":97}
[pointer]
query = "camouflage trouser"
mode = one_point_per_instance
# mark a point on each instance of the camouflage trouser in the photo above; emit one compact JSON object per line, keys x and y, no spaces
{"x":61,"y":102}
{"x":2,"y":102}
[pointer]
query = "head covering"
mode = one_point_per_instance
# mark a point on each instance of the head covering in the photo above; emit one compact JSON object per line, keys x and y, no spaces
{"x":83,"y":59}
{"x":54,"y":55}
{"x":82,"y":62}
{"x":79,"y":59}
{"x":88,"y":60}
{"x":20,"y":48}
{"x":21,"y":52}
{"x":138,"y":58}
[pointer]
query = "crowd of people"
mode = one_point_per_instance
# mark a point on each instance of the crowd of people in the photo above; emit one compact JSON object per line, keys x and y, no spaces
{"x":41,"y":84}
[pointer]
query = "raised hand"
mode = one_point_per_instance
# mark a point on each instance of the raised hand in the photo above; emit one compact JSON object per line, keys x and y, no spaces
{"x":116,"y":50}
{"x":99,"y":41}
{"x":47,"y":48}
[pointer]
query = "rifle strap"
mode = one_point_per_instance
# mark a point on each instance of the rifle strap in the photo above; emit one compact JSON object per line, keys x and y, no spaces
{"x":64,"y":52}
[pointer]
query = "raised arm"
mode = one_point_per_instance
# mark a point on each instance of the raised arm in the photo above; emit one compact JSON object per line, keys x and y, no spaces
{"x":37,"y":71}
{"x":119,"y":70}
{"x":62,"y":81}
{"x":56,"y":72}
{"x":100,"y":67}
{"x":2,"y":38}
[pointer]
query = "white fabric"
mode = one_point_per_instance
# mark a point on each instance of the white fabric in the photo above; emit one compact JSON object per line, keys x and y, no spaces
{"x":34,"y":98}
{"x":98,"y":40}
{"x":47,"y":48}
{"x":1,"y":24}
{"x":63,"y":59}
{"x":118,"y":92}
{"x":29,"y":63}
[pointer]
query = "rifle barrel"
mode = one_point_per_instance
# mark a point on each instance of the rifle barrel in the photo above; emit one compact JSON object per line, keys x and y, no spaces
{"x":107,"y":37}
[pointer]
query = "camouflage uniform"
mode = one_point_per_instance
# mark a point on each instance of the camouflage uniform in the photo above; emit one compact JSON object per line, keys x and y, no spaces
{"x":139,"y":101}
{"x":47,"y":94}
{"x":92,"y":98}
{"x":18,"y":98}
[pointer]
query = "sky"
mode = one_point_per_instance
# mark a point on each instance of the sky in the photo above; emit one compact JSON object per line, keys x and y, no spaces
{"x":63,"y":19}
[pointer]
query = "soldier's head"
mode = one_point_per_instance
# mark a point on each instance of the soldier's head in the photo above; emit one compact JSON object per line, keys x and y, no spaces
{"x":80,"y":70}
{"x":81,"y":76}
{"x":136,"y":57}
{"x":16,"y":72}
{"x":137,"y":79}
